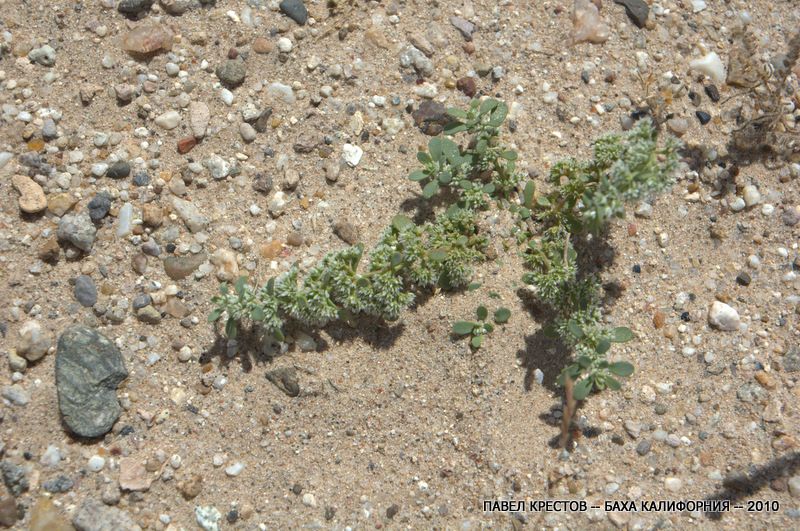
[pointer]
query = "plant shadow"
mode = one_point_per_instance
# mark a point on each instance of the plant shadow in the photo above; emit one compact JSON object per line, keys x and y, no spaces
{"x":738,"y":486}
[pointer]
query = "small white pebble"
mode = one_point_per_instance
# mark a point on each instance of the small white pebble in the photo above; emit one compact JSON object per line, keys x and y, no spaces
{"x":96,"y":463}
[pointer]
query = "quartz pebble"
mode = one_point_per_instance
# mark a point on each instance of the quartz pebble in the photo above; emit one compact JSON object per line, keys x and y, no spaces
{"x":147,"y":39}
{"x":723,"y":317}
{"x":711,"y":65}
{"x":588,"y":26}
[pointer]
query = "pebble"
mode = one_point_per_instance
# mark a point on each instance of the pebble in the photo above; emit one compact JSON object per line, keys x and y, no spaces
{"x":751,"y":195}
{"x":791,"y":216}
{"x":96,"y":463}
{"x":125,"y":220}
{"x":31,"y":195}
{"x":710,"y":65}
{"x":199,"y":117}
{"x":94,"y":515}
{"x":678,"y":126}
{"x":309,"y":500}
{"x":295,"y":10}
{"x":17,"y":395}
{"x":234,"y":470}
{"x":99,"y":206}
{"x":232,"y":72}
{"x":737,"y":205}
{"x":247,"y":131}
{"x":282,"y":92}
{"x":637,"y":11}
{"x":346,"y":231}
{"x":44,"y":55}
{"x":180,"y":267}
{"x":412,"y":57}
{"x":723,"y":317}
{"x":147,"y":39}
{"x":465,"y":27}
{"x":352,"y":154}
{"x":703,"y":117}
{"x":169,"y":120}
{"x":34,"y":342}
{"x":207,"y":517}
{"x":85,"y":291}
{"x":78,"y":230}
{"x":88,"y":369}
{"x":45,"y":517}
{"x":673,"y":484}
{"x":587,"y":26}
{"x":643,"y":448}
{"x":285,"y":45}
{"x":794,"y":486}
{"x":119,"y":170}
{"x":190,"y":214}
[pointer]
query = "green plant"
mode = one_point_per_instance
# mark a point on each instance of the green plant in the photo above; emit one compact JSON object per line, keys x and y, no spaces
{"x":408,"y":258}
{"x":480,"y":329}
{"x":483,"y":169}
{"x":585,"y":197}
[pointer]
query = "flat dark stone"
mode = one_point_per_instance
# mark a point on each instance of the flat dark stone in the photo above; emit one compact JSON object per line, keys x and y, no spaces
{"x":85,"y":291}
{"x":119,"y":170}
{"x":99,"y":206}
{"x":637,"y":11}
{"x":89,"y":367}
{"x":295,"y":10}
{"x":703,"y":117}
{"x":431,"y":117}
{"x":285,"y":379}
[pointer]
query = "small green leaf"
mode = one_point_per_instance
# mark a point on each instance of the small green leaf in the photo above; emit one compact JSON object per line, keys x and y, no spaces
{"x":542,"y":201}
{"x":214,"y":315}
{"x":509,"y":155}
{"x":489,"y":327}
{"x":473,"y":286}
{"x":527,"y":194}
{"x":582,"y":389}
{"x":463,"y":327}
{"x":457,"y":113}
{"x":271,"y":286}
{"x":435,"y":148}
{"x":489,"y":105}
{"x":239,"y":286}
{"x":231,"y":328}
{"x":481,"y":146}
{"x":477,"y":341}
{"x":501,"y":315}
{"x":417,"y":176}
{"x":575,"y":329}
{"x":454,"y":128}
{"x":612,"y":383}
{"x":621,"y":334}
{"x":524,"y":213}
{"x":482,"y":313}
{"x":602,"y":346}
{"x":423,"y":157}
{"x":396,"y":259}
{"x":401,"y":222}
{"x":450,"y":149}
{"x":445,"y":177}
{"x":224,"y":288}
{"x":549,"y":331}
{"x":494,"y":295}
{"x":257,"y":314}
{"x":585,"y":362}
{"x":438,"y":255}
{"x":430,"y":189}
{"x":489,"y":188}
{"x":621,"y":368}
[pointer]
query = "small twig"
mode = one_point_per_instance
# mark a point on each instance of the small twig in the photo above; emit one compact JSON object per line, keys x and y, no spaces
{"x":569,"y":410}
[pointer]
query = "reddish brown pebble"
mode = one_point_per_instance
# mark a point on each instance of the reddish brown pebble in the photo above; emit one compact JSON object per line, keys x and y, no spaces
{"x":631,"y":229}
{"x":659,"y":319}
{"x":186,"y":144}
{"x":232,"y":53}
{"x":469,"y":48}
{"x":467,"y":85}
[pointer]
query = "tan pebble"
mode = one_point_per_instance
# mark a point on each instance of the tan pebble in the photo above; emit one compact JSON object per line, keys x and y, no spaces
{"x":262,"y":45}
{"x":766,"y":380}
{"x":659,"y":320}
{"x":31,"y":195}
{"x":49,"y":251}
{"x":60,"y":204}
{"x":152,"y":215}
{"x":191,"y":486}
{"x":271,"y":249}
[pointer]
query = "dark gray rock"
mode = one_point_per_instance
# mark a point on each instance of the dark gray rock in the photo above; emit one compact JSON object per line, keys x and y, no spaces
{"x":85,"y":291}
{"x":58,"y":484}
{"x":78,"y":230}
{"x":637,"y":11}
{"x":232,"y":72}
{"x":88,"y":369}
{"x":643,"y":448}
{"x":134,"y":7}
{"x":285,"y":379}
{"x":295,"y":10}
{"x":14,"y":478}
{"x":141,"y":179}
{"x":99,"y":206}
{"x":119,"y":170}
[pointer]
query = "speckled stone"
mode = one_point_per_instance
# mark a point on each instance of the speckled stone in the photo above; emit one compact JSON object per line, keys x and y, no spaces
{"x":88,"y":369}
